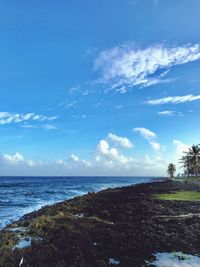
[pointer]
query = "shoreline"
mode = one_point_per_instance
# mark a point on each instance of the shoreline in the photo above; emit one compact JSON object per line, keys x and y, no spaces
{"x":122,"y":226}
{"x":51,"y":190}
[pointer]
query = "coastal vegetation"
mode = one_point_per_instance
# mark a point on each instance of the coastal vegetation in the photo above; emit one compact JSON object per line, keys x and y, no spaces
{"x":171,"y":170}
{"x":180,"y":196}
{"x":190,"y":162}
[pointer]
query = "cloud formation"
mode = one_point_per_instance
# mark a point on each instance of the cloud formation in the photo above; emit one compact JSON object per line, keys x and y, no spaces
{"x":144,"y":132}
{"x":123,"y":67}
{"x":173,"y":100}
{"x":13,"y":159}
{"x":155,"y":145}
{"x":17,"y":159}
{"x":7,"y":117}
{"x":110,"y":156}
{"x":75,"y":162}
{"x":106,"y":160}
{"x":122,"y":141}
{"x":148,"y":135}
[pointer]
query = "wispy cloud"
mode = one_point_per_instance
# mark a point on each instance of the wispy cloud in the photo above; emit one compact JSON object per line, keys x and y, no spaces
{"x":42,"y":126}
{"x":173,"y":100}
{"x":49,"y":127}
{"x":74,"y":89}
{"x":119,"y":106}
{"x":80,"y":116}
{"x":70,"y":104}
{"x":166,"y":113}
{"x":29,"y":126}
{"x":123,"y":67}
{"x":7,"y":117}
{"x":171,"y":113}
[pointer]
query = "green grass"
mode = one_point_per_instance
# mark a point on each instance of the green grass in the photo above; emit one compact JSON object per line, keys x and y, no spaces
{"x":180,"y":195}
{"x":193,"y":178}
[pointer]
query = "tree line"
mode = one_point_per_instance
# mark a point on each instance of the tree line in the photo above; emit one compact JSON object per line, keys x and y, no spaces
{"x":190,"y":162}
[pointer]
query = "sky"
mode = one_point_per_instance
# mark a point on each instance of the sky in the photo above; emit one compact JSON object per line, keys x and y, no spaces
{"x":91,"y":87}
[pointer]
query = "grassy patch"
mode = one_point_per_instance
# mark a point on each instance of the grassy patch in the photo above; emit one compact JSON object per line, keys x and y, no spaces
{"x":180,"y":195}
{"x":185,"y":178}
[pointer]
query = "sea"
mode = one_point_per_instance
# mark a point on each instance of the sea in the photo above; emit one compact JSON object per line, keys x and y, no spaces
{"x":21,"y":195}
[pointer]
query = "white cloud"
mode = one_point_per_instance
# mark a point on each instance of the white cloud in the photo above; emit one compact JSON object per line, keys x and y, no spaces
{"x":17,"y":159}
{"x":13,"y":159}
{"x":31,"y":163}
{"x":43,"y":126}
{"x":75,"y":162}
{"x":7,"y":117}
{"x":49,"y":127}
{"x":173,"y":100}
{"x":59,"y":161}
{"x":86,"y":92}
{"x":166,"y":113}
{"x":180,"y":148}
{"x":122,"y":141}
{"x":29,"y":126}
{"x":71,"y":104}
{"x":150,"y":162}
{"x":111,"y":157}
{"x":144,"y":132}
{"x":103,"y":147}
{"x":126,"y":66}
{"x":179,"y":151}
{"x":81,"y":116}
{"x":119,"y":106}
{"x":106,"y":160}
{"x":155,"y":145}
{"x":74,"y":89}
{"x":74,"y":158}
{"x":171,"y":113}
{"x":149,"y":136}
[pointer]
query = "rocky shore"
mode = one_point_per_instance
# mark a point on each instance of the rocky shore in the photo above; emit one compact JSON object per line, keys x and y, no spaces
{"x":122,"y":227}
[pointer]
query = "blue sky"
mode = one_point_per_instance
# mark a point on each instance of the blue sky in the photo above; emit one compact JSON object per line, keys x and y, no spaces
{"x":98,"y":87}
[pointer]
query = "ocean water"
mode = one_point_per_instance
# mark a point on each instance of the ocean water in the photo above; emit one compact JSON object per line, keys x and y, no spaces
{"x":21,"y":195}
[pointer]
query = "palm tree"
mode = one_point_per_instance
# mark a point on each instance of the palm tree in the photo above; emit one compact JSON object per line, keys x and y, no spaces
{"x":194,"y":155}
{"x":186,"y":164}
{"x":171,"y":170}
